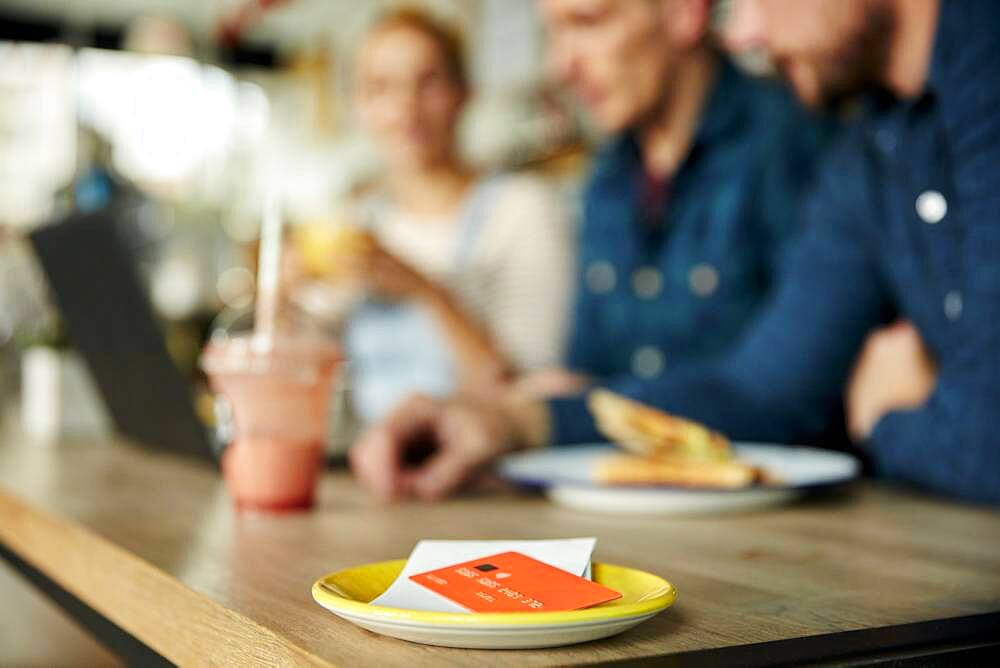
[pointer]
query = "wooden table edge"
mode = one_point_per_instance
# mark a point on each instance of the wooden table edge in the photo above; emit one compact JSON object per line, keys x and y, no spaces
{"x":185,"y":627}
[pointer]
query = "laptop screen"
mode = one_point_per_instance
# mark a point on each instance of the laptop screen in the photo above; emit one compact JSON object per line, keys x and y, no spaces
{"x":111,"y":323}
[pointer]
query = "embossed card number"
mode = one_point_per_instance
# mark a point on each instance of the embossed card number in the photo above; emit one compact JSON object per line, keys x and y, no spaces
{"x":513,"y":582}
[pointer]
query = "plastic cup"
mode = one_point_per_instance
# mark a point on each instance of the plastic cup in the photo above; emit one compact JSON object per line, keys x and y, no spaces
{"x":279,"y":397}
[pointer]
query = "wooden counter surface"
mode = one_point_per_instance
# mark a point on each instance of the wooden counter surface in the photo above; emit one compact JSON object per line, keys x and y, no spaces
{"x":151,"y":542}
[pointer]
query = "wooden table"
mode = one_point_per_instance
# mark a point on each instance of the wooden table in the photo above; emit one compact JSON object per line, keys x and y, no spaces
{"x":149,"y":543}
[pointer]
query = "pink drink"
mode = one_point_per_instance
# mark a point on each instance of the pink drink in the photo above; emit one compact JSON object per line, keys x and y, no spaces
{"x":279,"y":395}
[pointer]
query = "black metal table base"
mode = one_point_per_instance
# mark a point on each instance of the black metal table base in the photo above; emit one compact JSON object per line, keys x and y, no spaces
{"x":116,"y":639}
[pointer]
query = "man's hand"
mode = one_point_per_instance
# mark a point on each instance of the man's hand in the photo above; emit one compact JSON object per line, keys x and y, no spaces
{"x":894,"y":372}
{"x":429,"y":448}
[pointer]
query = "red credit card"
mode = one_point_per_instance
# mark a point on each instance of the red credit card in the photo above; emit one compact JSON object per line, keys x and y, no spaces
{"x":513,"y":582}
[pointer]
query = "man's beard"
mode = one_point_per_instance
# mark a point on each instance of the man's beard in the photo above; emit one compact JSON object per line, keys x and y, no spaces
{"x":859,"y":64}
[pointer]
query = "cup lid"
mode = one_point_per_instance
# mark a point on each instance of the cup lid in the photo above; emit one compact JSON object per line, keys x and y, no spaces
{"x":305,"y":358}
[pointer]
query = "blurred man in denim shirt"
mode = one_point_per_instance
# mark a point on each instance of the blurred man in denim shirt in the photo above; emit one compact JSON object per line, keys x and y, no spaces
{"x":690,"y":201}
{"x":688,"y":205}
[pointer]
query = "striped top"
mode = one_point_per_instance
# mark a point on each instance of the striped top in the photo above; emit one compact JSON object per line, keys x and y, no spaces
{"x":515,"y":277}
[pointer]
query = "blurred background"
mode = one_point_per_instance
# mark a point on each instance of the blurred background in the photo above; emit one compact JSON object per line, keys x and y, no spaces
{"x":185,"y":113}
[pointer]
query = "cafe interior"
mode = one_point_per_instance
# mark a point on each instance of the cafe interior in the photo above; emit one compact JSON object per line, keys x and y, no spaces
{"x":499,"y":332}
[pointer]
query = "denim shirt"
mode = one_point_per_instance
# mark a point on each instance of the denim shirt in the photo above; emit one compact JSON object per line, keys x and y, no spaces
{"x":905,"y":222}
{"x":652,"y":297}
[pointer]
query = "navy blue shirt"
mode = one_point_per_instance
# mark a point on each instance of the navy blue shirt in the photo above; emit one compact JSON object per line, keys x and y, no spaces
{"x":905,"y":222}
{"x":671,"y":276}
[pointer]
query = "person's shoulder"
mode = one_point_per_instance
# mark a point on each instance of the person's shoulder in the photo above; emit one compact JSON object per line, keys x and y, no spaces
{"x":614,"y":167}
{"x":776,"y":115}
{"x":783,"y":141}
{"x":520,"y":186}
{"x":967,"y":45}
{"x":759,"y":94}
{"x":613,"y":156}
{"x":965,"y":67}
{"x":523,"y":200}
{"x":846,"y":180}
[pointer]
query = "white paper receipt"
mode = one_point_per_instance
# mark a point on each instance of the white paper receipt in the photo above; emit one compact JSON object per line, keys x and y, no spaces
{"x":569,"y":554}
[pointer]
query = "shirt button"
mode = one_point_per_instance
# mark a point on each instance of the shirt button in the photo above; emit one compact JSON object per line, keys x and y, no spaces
{"x":647,"y":282}
{"x":600,"y":277}
{"x":703,"y":279}
{"x":647,"y":362}
{"x":953,"y":305}
{"x":931,"y":207}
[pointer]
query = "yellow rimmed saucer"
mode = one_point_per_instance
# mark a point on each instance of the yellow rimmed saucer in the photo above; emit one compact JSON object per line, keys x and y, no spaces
{"x":347,"y":594}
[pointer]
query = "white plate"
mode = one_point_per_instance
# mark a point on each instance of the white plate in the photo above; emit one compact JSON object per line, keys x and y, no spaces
{"x":565,"y":473}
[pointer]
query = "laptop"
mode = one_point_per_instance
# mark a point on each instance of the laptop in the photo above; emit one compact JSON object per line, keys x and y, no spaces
{"x":109,"y":320}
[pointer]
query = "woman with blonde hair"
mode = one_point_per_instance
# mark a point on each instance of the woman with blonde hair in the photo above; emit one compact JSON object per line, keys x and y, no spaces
{"x":466,"y":275}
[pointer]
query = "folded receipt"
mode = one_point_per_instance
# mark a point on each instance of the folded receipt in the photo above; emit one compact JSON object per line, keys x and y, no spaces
{"x":569,"y":554}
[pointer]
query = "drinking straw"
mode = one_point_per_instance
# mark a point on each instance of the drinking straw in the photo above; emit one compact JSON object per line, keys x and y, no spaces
{"x":268,"y":272}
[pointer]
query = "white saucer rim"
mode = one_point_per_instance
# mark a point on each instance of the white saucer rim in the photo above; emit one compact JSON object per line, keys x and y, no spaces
{"x":556,"y":481}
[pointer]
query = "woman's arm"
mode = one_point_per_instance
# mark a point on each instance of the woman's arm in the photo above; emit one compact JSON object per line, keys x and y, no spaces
{"x":528,"y":251}
{"x":482,"y":367}
{"x":532,"y":257}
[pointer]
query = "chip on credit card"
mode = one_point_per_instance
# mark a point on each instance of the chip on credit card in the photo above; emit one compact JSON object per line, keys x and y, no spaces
{"x":513,"y":582}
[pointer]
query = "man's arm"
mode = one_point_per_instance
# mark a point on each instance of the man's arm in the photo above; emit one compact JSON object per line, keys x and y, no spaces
{"x":952,"y":443}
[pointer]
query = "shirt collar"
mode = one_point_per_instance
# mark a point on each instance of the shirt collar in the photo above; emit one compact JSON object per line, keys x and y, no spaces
{"x":725,"y":106}
{"x":880,"y":106}
{"x":725,"y":109}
